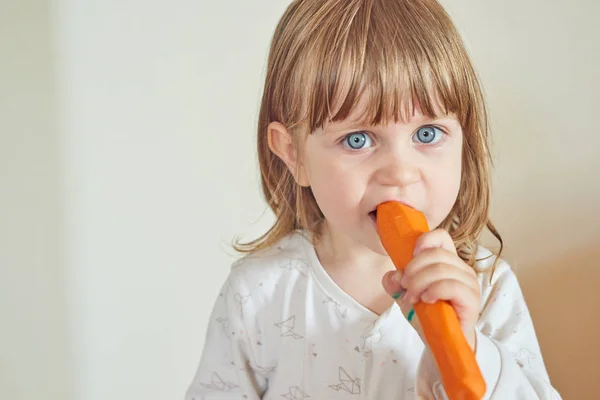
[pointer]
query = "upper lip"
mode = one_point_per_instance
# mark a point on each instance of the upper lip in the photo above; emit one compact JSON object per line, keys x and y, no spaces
{"x":395,"y":200}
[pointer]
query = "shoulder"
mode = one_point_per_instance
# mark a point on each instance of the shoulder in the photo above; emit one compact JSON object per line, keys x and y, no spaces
{"x":261,"y":273}
{"x":494,"y":273}
{"x":503,"y":309}
{"x":273,"y":259}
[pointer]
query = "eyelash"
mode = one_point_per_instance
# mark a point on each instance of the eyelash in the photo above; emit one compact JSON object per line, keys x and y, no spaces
{"x":441,"y":129}
{"x":436,"y":127}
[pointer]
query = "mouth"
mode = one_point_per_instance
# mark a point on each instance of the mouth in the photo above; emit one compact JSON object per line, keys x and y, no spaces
{"x":373,"y":215}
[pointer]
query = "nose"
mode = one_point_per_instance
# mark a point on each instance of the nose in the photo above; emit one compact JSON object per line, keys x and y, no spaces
{"x":399,"y":168}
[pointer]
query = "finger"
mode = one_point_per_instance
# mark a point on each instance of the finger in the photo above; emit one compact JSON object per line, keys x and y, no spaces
{"x":438,"y":238}
{"x":433,"y":273}
{"x":391,"y":284}
{"x":394,"y":288}
{"x":463,"y":298}
{"x":465,"y":301}
{"x":437,"y":255}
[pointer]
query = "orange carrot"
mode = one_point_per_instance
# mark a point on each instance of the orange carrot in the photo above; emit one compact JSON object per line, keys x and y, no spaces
{"x":399,"y":228}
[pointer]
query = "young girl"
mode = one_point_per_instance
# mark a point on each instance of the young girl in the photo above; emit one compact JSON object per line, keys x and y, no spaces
{"x":367,"y":101}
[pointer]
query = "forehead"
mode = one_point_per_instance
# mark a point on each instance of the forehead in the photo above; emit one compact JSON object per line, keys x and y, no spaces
{"x":412,"y":114}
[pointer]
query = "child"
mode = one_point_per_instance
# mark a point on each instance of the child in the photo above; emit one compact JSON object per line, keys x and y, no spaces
{"x":367,"y":101}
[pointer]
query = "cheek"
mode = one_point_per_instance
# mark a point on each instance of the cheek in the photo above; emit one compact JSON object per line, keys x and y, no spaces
{"x":326,"y":180}
{"x":452,"y":178}
{"x":336,"y":189}
{"x":451,"y":173}
{"x":444,"y":189}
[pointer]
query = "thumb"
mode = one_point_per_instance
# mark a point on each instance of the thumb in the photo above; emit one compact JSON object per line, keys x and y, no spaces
{"x":391,"y":284}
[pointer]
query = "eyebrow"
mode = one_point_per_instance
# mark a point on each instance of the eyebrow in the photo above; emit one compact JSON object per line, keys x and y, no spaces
{"x":351,"y":125}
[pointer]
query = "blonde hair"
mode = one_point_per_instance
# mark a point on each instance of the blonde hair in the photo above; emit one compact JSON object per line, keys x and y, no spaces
{"x":326,"y":55}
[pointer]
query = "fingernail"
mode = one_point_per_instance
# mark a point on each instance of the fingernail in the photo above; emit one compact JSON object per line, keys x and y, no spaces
{"x":399,"y":295}
{"x":426,"y":299}
{"x":397,"y":277}
{"x":403,"y":281}
{"x":411,"y":314}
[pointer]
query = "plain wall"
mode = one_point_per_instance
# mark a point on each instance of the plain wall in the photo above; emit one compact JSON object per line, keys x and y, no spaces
{"x":127,"y":164}
{"x":34,"y":331}
{"x":539,"y":64}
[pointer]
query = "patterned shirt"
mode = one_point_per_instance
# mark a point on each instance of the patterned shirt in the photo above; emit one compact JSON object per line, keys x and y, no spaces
{"x":281,"y":328}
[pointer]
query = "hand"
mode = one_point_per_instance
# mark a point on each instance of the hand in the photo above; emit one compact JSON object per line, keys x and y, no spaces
{"x":437,"y":273}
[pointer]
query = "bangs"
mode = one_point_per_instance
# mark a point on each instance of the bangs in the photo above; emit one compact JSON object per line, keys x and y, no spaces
{"x":389,"y":57}
{"x":375,"y":62}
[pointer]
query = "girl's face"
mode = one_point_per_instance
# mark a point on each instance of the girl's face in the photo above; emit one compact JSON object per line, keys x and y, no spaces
{"x":353,"y":168}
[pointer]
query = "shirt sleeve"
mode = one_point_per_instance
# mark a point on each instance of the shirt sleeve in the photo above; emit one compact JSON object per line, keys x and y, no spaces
{"x":507,"y":350}
{"x":225,"y":371}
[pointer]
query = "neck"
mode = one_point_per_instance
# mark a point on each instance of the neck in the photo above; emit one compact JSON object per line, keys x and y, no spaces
{"x":338,"y":251}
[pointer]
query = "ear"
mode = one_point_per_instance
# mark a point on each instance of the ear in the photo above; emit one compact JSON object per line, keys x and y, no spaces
{"x":282,"y":144}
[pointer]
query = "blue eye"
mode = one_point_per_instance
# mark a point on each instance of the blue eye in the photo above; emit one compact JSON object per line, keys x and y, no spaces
{"x":357,"y":140}
{"x":428,"y":135}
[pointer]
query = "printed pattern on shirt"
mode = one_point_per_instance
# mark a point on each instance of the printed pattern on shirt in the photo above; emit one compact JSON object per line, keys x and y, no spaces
{"x":288,"y":328}
{"x":346,"y":383}
{"x":295,"y":393}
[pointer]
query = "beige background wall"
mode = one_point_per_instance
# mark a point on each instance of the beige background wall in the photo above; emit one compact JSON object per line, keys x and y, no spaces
{"x":33,"y":304}
{"x":119,"y":187}
{"x":539,"y":61}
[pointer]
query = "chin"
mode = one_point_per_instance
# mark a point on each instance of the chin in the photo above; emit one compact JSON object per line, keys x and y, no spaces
{"x":374,"y":244}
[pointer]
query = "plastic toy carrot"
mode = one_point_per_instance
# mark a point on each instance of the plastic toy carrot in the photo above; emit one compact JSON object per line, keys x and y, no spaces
{"x":399,"y":228}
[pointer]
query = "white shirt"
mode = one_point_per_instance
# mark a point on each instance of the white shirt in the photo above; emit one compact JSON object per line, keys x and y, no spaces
{"x":281,"y":328}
